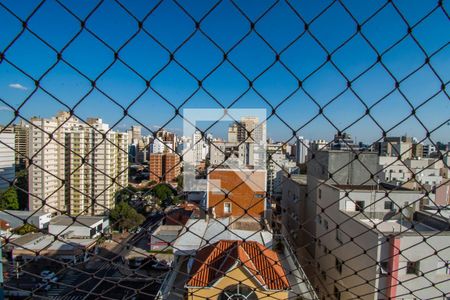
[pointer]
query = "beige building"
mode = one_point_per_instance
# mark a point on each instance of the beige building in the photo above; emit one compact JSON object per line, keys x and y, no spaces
{"x":79,"y":169}
{"x":236,"y":270}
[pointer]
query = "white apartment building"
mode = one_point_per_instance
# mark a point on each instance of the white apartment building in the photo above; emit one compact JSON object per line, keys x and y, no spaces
{"x":427,"y":171}
{"x":199,"y":147}
{"x":365,"y":248}
{"x":277,"y":165}
{"x":237,"y":155}
{"x":7,"y":159}
{"x":80,"y":169}
{"x":159,"y":146}
{"x":301,"y":149}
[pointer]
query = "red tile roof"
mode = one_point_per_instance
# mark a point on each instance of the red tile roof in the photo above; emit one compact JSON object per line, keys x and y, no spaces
{"x":214,"y":261}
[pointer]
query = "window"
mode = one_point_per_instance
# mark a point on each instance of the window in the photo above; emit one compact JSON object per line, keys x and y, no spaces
{"x":227,"y":207}
{"x":389,"y":205}
{"x":359,"y":206}
{"x":320,"y":194}
{"x":325,"y":249}
{"x":238,"y":291}
{"x":325,"y":223}
{"x":384,"y":265}
{"x":324,"y":275}
{"x":319,"y":219}
{"x":412,"y":267}
{"x":338,"y":265}
{"x":337,"y":293}
{"x":339,"y":235}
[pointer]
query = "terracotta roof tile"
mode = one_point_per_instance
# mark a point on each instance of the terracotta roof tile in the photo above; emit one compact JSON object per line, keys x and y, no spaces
{"x":214,"y":261}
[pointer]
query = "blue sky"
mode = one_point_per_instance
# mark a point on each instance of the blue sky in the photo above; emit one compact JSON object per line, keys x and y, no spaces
{"x":225,"y":26}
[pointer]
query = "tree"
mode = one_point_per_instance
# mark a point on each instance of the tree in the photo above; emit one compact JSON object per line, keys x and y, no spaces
{"x":124,"y":217}
{"x":125,"y":194}
{"x":162,"y":192}
{"x":24,"y":229}
{"x":22,"y":188}
{"x":8,"y":199}
{"x":180,"y":182}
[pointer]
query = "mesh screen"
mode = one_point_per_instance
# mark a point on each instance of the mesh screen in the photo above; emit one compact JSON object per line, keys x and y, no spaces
{"x":105,"y":195}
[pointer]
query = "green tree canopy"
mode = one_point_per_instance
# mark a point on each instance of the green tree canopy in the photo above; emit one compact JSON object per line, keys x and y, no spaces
{"x":26,"y":228}
{"x":22,"y":188}
{"x":124,"y":217}
{"x":162,"y":192}
{"x":125,"y":194}
{"x":9,"y":199}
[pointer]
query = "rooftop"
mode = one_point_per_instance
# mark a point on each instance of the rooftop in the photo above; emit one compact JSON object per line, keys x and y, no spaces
{"x":216,"y":260}
{"x":16,"y":218}
{"x":397,"y":226}
{"x":38,"y":242}
{"x":202,"y":232}
{"x":299,"y":178}
{"x":382,"y":186}
{"x":78,"y":221}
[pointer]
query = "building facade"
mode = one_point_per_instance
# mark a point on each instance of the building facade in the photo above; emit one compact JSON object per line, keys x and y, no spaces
{"x":7,"y":159}
{"x":236,"y":193}
{"x":164,"y":167}
{"x":77,"y":167}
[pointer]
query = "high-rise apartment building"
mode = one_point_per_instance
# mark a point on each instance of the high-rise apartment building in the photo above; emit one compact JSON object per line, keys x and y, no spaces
{"x":396,"y":146}
{"x":20,"y":142}
{"x":7,"y":163}
{"x":248,"y":130}
{"x":21,"y":132}
{"x":301,"y":150}
{"x":77,"y":167}
{"x":164,"y":167}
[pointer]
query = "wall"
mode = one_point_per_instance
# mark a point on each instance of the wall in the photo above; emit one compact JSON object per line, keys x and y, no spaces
{"x":349,"y":251}
{"x":414,"y":249}
{"x":246,"y":192}
{"x":7,"y":159}
{"x":233,"y":277}
{"x":343,"y":166}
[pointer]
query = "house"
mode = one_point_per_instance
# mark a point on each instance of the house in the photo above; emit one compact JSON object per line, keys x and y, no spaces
{"x":38,"y":245}
{"x":236,"y":270}
{"x":235,"y":192}
{"x":17,"y":218}
{"x":80,"y":226}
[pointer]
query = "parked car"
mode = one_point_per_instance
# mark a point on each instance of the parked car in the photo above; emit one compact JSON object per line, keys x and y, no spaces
{"x":49,"y":276}
{"x":160,"y":265}
{"x":135,"y":262}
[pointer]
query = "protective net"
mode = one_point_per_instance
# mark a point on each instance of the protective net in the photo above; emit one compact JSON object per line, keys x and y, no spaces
{"x":138,"y":161}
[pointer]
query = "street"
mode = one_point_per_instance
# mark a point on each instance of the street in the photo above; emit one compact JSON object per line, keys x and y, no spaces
{"x":104,"y":274}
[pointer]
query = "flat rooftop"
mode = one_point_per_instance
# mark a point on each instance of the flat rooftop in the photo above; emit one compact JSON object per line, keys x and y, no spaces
{"x":39,"y":241}
{"x":396,"y":226}
{"x":15,"y":218}
{"x":373,"y":187}
{"x":78,"y":221}
{"x":25,"y":213}
{"x":299,"y":178}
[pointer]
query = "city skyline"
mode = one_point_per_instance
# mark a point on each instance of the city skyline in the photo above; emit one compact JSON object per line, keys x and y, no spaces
{"x":419,"y":78}
{"x":221,"y":131}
